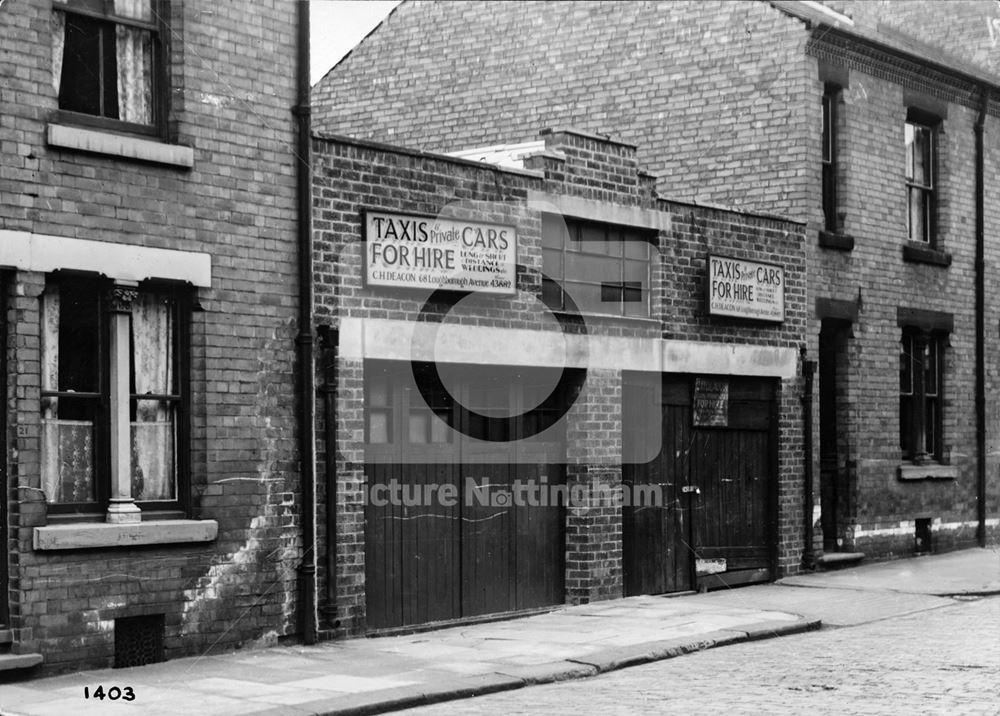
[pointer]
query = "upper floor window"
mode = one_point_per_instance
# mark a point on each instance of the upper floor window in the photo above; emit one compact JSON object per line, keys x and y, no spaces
{"x":108,"y":62}
{"x":601,"y":268}
{"x":920,"y":186}
{"x":830,"y":94}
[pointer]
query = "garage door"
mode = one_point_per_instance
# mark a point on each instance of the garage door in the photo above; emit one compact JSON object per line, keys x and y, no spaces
{"x":456,"y":543}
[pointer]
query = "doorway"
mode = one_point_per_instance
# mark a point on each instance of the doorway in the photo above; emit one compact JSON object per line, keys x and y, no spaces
{"x":717,"y":472}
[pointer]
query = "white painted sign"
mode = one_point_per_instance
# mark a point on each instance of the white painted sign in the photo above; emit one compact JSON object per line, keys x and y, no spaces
{"x":711,"y":402}
{"x":745,"y":289}
{"x":412,"y":251}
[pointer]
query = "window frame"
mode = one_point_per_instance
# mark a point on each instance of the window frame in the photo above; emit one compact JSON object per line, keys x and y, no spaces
{"x":159,"y":96}
{"x":919,"y":401}
{"x":929,"y":190}
{"x":182,"y":301}
{"x":573,"y":234}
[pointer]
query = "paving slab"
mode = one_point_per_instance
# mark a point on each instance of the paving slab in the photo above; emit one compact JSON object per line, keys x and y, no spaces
{"x":970,"y":571}
{"x":375,"y":675}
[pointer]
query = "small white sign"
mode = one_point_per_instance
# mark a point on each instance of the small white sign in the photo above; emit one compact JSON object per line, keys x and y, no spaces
{"x":745,"y":289}
{"x":412,"y":251}
{"x":710,"y":566}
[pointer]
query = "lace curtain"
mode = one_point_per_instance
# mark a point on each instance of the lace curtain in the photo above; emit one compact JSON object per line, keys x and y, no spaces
{"x":153,"y":426}
{"x":67,"y":445}
{"x":58,"y":26}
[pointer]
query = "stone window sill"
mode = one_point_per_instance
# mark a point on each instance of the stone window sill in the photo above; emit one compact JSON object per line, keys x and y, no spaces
{"x":909,"y":472}
{"x":96,"y":535}
{"x":923,"y":254}
{"x":119,"y":145}
{"x":838,"y":241}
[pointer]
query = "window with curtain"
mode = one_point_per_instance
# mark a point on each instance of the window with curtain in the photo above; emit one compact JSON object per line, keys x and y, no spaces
{"x":601,"y":268}
{"x":106,"y":60}
{"x":76,"y":367}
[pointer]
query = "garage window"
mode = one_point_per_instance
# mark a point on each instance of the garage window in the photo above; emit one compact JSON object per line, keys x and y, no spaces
{"x":599,"y":268}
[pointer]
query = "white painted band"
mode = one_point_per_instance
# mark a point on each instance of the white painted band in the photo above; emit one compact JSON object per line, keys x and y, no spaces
{"x":390,"y":339}
{"x":906,"y":527}
{"x":39,"y":252}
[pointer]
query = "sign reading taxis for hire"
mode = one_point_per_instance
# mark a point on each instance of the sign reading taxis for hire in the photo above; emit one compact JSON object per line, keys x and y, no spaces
{"x":412,"y":251}
{"x":746,"y":289}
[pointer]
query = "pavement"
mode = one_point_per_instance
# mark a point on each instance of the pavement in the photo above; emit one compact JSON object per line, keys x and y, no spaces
{"x":376,"y":675}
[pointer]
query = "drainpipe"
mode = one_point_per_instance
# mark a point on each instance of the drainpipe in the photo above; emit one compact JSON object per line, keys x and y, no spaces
{"x":808,"y":371}
{"x":330,"y":338}
{"x":304,"y":340}
{"x":981,"y":321}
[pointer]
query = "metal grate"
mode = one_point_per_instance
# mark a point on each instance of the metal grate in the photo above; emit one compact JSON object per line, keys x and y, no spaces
{"x":138,"y":640}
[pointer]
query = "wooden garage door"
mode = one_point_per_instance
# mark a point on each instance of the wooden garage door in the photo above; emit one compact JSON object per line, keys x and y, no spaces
{"x":479,"y":553}
{"x":718,"y":468}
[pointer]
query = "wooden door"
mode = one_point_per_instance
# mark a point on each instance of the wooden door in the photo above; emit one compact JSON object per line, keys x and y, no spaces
{"x":717,"y":472}
{"x":732,"y":471}
{"x":655,"y":538}
{"x":481,"y":555}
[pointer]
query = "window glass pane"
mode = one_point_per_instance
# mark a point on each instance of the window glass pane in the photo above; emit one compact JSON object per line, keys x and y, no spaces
{"x":638,"y":307}
{"x":552,"y":263}
{"x":931,"y":368}
{"x":552,"y":295}
{"x":596,"y":269}
{"x":378,"y":390}
{"x":637,"y":271}
{"x":593,"y":238}
{"x":827,"y":133}
{"x":153,"y":347}
{"x":135,"y":9}
{"x":588,"y":298}
{"x":153,"y":451}
{"x":905,"y":424}
{"x":80,"y":82}
{"x":554,"y":233}
{"x":611,"y":293}
{"x":74,"y":347}
{"x":134,"y":84}
{"x":418,"y":426}
{"x":930,"y":426}
{"x":918,"y":154}
{"x":636,"y":247}
{"x":906,"y":365}
{"x":440,"y":430}
{"x":909,"y":139}
{"x":378,"y":427}
{"x":68,"y":453}
{"x":918,"y":214}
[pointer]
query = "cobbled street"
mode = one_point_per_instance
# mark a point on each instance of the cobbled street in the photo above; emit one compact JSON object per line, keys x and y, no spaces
{"x":940,"y":661}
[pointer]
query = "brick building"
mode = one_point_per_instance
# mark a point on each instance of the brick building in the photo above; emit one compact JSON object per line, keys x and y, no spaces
{"x":150,"y":505}
{"x":875,"y":123}
{"x":596,"y":294}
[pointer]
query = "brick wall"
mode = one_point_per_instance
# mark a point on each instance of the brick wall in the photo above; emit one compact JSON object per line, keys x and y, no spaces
{"x":351,"y":175}
{"x":875,"y":276}
{"x":711,"y":92}
{"x":231,"y":99}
